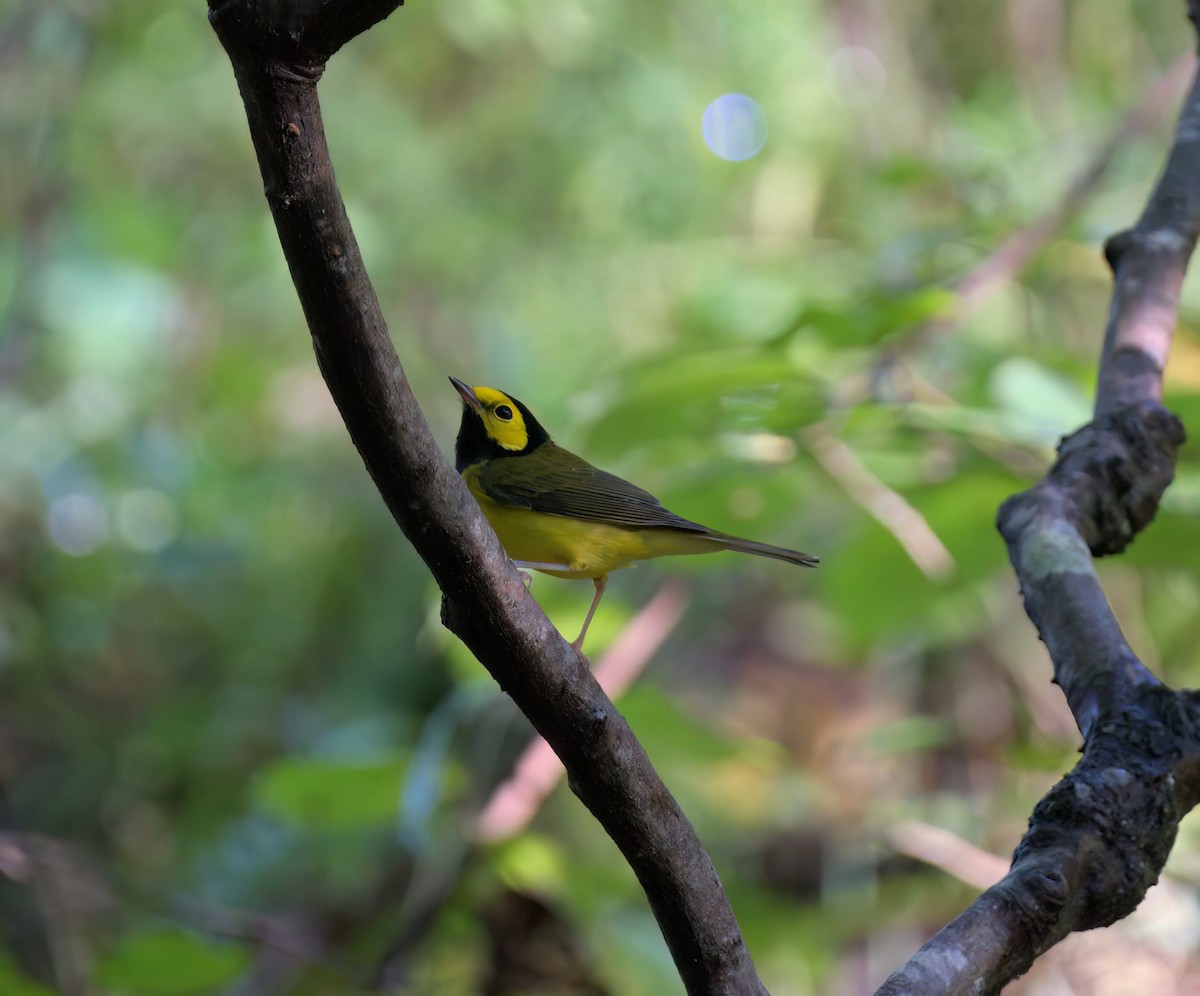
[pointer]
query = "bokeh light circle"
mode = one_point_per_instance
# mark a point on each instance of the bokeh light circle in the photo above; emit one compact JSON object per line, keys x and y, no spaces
{"x":734,"y":127}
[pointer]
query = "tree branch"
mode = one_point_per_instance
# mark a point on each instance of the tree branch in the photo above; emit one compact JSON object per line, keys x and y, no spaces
{"x":278,"y":49}
{"x":516,"y":800}
{"x":1099,"y":839}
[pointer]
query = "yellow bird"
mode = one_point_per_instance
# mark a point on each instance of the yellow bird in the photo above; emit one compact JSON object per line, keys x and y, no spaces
{"x":556,"y":513}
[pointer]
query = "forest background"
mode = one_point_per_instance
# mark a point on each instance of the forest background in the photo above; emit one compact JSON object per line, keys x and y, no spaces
{"x":237,"y":749}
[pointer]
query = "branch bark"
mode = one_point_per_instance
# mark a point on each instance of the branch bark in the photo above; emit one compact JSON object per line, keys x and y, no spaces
{"x":1099,"y":839}
{"x":278,"y":49}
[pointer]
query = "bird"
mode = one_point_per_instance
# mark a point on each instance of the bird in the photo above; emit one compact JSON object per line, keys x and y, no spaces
{"x":556,"y":513}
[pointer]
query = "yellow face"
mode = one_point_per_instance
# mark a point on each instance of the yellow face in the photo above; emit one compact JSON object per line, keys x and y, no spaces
{"x":502,"y":419}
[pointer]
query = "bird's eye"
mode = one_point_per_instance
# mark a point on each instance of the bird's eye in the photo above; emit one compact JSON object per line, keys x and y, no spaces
{"x":504,"y":412}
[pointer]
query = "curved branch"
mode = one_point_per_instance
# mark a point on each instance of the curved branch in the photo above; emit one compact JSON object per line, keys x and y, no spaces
{"x":277,"y":49}
{"x":1099,"y":839}
{"x":516,"y":800}
{"x":300,"y":32}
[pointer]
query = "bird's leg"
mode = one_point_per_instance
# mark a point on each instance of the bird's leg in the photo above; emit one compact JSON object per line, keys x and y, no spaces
{"x":600,"y":583}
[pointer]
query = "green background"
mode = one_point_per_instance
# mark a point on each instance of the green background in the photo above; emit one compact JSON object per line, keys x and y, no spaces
{"x":237,"y":751}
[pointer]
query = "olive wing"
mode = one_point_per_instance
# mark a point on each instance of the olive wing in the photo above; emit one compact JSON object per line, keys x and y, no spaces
{"x":556,"y":481}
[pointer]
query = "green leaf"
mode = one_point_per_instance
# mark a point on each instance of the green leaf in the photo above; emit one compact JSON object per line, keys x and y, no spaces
{"x":874,"y":318}
{"x":685,"y":395}
{"x":740,"y":307}
{"x":13,"y":982}
{"x":1041,"y":397}
{"x":671,"y":735}
{"x":1170,"y":541}
{"x":331,"y":795}
{"x":533,"y":861}
{"x":909,"y":735}
{"x":168,"y":963}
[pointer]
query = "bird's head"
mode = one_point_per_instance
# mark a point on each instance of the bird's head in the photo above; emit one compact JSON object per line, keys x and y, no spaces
{"x":494,"y":424}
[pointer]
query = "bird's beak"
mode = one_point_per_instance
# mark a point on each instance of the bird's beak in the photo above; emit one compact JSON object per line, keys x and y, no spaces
{"x":468,"y":394}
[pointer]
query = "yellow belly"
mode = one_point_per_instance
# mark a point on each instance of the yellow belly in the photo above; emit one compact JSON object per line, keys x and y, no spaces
{"x":588,"y":549}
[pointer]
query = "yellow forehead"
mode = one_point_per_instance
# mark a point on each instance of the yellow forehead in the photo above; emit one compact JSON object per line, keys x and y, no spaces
{"x":491,"y":397}
{"x":509,"y":433}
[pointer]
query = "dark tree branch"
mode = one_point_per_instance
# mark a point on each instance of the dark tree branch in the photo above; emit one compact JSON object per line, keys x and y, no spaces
{"x":1100,"y":837}
{"x":278,"y":49}
{"x":299,"y":32}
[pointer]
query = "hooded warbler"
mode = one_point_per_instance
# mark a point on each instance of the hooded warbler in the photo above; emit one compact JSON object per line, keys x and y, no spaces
{"x":556,"y":513}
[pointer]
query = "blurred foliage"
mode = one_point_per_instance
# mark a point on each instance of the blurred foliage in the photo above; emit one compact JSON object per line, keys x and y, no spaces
{"x":224,"y":693}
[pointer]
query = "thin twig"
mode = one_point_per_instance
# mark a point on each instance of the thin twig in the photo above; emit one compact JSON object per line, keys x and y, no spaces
{"x":69,"y":894}
{"x":887,"y":507}
{"x":949,"y":852}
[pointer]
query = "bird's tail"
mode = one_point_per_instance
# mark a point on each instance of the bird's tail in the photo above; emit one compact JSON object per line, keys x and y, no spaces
{"x":764,"y":550}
